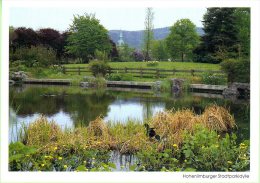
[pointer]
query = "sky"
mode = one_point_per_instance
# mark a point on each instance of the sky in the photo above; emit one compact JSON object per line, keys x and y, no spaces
{"x":111,"y":18}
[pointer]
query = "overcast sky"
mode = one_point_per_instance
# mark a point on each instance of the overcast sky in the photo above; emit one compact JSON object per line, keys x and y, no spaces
{"x":111,"y":18}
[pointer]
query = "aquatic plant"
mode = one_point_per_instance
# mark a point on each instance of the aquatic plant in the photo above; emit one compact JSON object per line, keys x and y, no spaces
{"x":170,"y":125}
{"x":41,"y":132}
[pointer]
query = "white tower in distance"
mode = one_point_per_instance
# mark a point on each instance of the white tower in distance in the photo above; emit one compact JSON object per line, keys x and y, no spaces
{"x":120,"y":42}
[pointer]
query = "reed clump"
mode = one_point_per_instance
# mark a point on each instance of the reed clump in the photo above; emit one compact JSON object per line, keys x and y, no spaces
{"x":217,"y":118}
{"x":170,"y":125}
{"x":129,"y":137}
{"x":42,"y":132}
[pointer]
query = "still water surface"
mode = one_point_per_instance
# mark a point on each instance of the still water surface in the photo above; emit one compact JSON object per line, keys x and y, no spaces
{"x":73,"y":106}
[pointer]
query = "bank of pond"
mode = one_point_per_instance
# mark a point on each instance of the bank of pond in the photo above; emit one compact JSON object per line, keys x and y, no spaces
{"x":71,"y":129}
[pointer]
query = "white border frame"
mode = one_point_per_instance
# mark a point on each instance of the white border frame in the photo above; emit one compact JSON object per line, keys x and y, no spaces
{"x":131,"y":176}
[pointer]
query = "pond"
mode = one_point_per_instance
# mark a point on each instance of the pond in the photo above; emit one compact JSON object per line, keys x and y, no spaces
{"x":74,"y":106}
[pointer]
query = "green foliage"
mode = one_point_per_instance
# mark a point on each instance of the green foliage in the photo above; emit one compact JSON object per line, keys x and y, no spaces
{"x":242,"y":24}
{"x":220,"y":40}
{"x":35,"y":56}
{"x":152,"y":160}
{"x":159,"y":50}
{"x":213,"y":79}
{"x":99,"y":68}
{"x":152,"y":63}
{"x":98,"y":82}
{"x":119,"y":77}
{"x":205,"y":150}
{"x":148,"y":33}
{"x":125,"y":53}
{"x":237,"y":70}
{"x":101,"y":55}
{"x":86,"y":36}
{"x":182,"y":39}
{"x":58,"y":158}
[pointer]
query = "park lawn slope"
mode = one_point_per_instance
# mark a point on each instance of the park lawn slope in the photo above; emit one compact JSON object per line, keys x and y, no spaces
{"x":161,"y":65}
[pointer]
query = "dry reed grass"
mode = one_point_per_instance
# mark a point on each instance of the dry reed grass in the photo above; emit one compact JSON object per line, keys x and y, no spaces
{"x":42,"y":132}
{"x":217,"y":118}
{"x":131,"y":136}
{"x":170,"y":125}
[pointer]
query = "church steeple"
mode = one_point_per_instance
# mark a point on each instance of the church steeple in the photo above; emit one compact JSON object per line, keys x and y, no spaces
{"x":120,"y":41}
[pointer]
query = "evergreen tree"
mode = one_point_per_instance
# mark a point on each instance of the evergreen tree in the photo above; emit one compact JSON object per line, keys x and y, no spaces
{"x":221,"y":36}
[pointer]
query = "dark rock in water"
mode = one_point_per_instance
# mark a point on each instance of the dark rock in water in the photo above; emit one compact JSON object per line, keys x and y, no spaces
{"x":11,"y":82}
{"x":236,"y":90}
{"x":48,"y":95}
{"x":157,"y":86}
{"x":18,"y":76}
{"x":85,"y":84}
{"x":177,"y":85}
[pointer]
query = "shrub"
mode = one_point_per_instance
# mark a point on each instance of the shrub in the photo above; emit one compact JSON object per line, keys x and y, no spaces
{"x":101,"y":55}
{"x":99,"y":68}
{"x":137,"y":56}
{"x":35,"y":56}
{"x":114,"y":77}
{"x":237,"y":70}
{"x":152,"y":63}
{"x":119,"y":77}
{"x":98,"y":82}
{"x":213,"y":79}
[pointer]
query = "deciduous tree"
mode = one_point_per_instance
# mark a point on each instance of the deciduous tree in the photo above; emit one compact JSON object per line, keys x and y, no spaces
{"x":148,"y":33}
{"x":182,"y":39}
{"x":86,"y":36}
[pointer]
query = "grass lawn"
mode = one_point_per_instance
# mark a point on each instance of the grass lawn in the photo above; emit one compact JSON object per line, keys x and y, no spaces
{"x":50,"y":73}
{"x":161,"y":65}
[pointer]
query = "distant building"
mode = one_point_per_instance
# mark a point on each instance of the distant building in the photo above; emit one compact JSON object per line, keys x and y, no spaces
{"x":120,"y":42}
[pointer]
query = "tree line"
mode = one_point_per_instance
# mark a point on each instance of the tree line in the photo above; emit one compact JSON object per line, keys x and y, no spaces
{"x":227,"y":35}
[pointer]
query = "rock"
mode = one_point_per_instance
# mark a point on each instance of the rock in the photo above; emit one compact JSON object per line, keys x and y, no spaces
{"x":84,"y":84}
{"x":157,"y":85}
{"x":177,"y":85}
{"x":18,"y":76}
{"x":236,"y":90}
{"x":11,"y":82}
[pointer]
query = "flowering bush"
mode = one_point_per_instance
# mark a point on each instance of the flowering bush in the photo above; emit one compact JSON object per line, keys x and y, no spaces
{"x":152,"y":63}
{"x":213,"y":79}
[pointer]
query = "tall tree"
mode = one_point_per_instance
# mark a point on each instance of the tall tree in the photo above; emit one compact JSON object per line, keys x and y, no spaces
{"x":51,"y":38}
{"x":12,"y":37}
{"x":220,"y":40}
{"x":182,"y":39}
{"x":159,"y":50}
{"x":26,"y":37}
{"x":148,"y":32}
{"x":113,"y":54}
{"x":87,"y":35}
{"x":242,"y":24}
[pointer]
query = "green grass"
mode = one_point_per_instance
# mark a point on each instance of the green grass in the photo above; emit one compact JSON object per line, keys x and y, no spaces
{"x":161,"y":65}
{"x":50,"y":73}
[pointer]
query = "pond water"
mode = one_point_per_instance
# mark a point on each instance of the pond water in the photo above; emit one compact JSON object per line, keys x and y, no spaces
{"x":74,"y":106}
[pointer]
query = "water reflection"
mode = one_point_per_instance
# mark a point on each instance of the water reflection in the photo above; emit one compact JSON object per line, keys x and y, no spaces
{"x":74,"y":106}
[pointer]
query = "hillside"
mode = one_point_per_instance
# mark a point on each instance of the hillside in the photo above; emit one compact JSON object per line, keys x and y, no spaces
{"x":134,"y":38}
